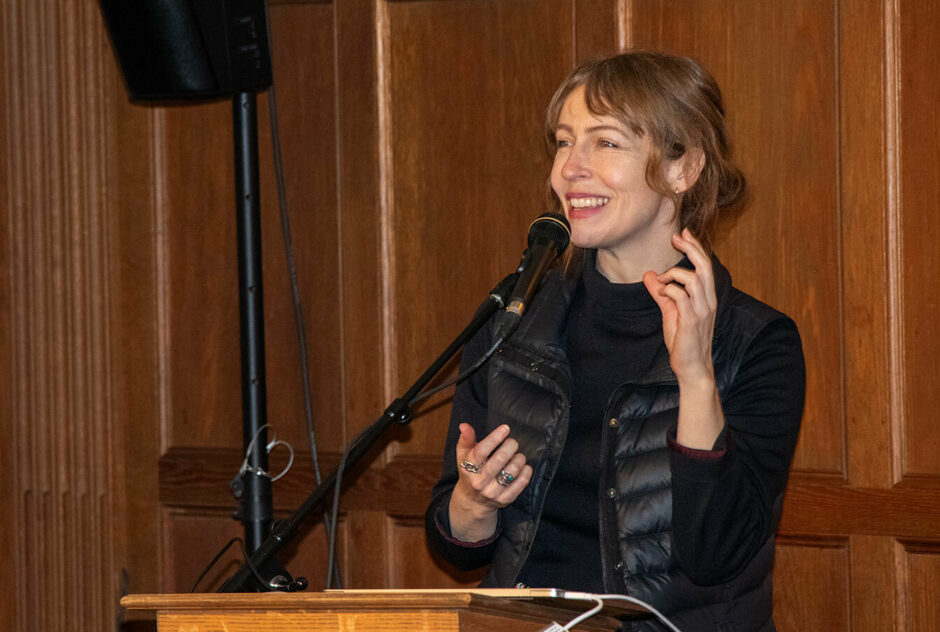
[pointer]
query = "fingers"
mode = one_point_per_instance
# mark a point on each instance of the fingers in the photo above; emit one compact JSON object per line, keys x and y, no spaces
{"x":655,"y":288}
{"x":516,"y":470}
{"x":496,"y":462}
{"x":492,"y":472}
{"x":476,"y":453}
{"x":686,"y":243}
{"x":509,"y":480}
{"x":677,"y":293}
{"x":692,"y":248}
{"x":508,"y":474}
{"x":513,"y":487}
{"x":697,"y":285}
{"x":500,"y":459}
{"x":684,"y":303}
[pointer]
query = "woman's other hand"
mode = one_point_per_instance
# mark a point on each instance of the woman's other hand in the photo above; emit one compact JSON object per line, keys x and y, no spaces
{"x":688,"y":302}
{"x":492,"y":474}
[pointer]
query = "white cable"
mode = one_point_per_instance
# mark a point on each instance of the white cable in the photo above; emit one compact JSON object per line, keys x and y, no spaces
{"x":290,"y":461}
{"x":257,"y":471}
{"x":585,"y":615}
{"x":639,"y":602}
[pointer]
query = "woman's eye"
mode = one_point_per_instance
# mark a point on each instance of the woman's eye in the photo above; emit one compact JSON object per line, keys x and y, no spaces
{"x":608,"y":144}
{"x":561,"y":142}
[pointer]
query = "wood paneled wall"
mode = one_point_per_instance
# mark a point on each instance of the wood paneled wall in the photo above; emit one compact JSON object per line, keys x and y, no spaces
{"x":60,"y":512}
{"x":412,"y":140}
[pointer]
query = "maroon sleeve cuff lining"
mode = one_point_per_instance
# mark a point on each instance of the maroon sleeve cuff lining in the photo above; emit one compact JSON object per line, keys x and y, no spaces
{"x":693,"y":453}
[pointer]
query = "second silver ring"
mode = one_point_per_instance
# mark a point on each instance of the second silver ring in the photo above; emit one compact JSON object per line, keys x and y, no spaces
{"x":504,"y":478}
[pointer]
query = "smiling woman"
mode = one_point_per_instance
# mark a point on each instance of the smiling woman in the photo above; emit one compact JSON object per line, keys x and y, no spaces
{"x":599,"y":176}
{"x":673,"y":104}
{"x":635,"y":434}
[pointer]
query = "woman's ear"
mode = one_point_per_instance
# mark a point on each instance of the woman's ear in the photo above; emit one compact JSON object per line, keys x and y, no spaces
{"x":683,"y":172}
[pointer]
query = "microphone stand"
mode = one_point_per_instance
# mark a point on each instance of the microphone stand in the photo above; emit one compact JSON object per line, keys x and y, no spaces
{"x":254,"y":492}
{"x":398,"y":412}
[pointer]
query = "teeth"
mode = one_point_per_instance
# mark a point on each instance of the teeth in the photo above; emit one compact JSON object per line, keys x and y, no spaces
{"x":588,"y":202}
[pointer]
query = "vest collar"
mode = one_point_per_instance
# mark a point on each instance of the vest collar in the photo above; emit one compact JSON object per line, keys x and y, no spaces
{"x":541,"y":332}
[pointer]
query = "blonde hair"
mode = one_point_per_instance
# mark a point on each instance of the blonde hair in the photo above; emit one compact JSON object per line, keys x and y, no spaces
{"x":677,"y":103}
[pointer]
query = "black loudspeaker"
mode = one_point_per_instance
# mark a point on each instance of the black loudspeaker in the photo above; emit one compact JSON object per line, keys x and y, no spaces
{"x":189,"y":49}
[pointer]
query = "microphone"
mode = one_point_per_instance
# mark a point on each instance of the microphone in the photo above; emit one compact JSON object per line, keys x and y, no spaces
{"x":549,"y":235}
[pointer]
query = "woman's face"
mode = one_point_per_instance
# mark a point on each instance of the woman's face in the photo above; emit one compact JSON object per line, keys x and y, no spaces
{"x":599,"y":174}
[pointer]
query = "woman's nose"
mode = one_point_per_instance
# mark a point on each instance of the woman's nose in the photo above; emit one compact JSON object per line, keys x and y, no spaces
{"x":576,"y":165}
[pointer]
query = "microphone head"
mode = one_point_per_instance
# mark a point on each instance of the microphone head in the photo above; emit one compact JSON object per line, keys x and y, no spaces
{"x":551,"y":226}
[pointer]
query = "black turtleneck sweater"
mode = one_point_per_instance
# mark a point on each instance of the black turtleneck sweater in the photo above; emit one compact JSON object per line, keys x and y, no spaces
{"x":612,"y":334}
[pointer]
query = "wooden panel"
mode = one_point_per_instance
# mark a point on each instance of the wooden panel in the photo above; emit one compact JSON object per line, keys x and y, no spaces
{"x":873,"y":561}
{"x":62,"y":444}
{"x":351,"y":611}
{"x":413,"y":566}
{"x":600,"y":27}
{"x":394,"y":621}
{"x":320,"y":621}
{"x":199,"y":478}
{"x":869,"y":261}
{"x":137,"y":333}
{"x":820,"y":604}
{"x":920,"y":189}
{"x":922,"y":566}
{"x":470,"y":165}
{"x":305,"y":85}
{"x":9,"y":524}
{"x":200,"y":223}
{"x":199,"y":211}
{"x":360,"y":207}
{"x":191,"y":541}
{"x":905,"y":510}
{"x":782,"y":111}
{"x":366,"y":564}
{"x":198,"y":188}
{"x":193,"y":537}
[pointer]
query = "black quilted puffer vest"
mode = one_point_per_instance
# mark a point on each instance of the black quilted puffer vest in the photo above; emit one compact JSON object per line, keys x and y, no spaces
{"x":528,"y":383}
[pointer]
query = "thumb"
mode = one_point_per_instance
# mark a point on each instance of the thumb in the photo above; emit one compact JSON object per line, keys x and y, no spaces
{"x":466,"y":441}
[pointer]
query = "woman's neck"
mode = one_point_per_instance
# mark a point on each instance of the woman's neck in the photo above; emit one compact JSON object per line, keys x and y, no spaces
{"x":618,"y":268}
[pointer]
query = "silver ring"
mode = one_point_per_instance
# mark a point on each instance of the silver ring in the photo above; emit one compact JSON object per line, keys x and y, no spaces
{"x":504,"y":478}
{"x":473,"y":468}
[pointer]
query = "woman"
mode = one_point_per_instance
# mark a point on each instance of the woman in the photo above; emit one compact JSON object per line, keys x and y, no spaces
{"x":634,"y":435}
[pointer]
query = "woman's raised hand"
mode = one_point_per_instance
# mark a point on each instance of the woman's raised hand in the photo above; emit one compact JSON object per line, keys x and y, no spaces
{"x":492,"y":474}
{"x":688,"y":303}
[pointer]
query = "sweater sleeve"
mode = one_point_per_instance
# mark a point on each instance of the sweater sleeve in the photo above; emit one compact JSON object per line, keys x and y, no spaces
{"x":469,"y":406}
{"x":726,"y":501}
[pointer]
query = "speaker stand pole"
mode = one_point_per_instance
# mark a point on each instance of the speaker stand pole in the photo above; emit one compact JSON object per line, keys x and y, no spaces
{"x":252,"y":489}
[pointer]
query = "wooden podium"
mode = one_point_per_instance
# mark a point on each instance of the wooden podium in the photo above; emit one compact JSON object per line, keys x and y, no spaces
{"x":374,"y":611}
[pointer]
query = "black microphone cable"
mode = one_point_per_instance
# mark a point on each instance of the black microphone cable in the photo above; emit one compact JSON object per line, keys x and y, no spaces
{"x":292,"y":274}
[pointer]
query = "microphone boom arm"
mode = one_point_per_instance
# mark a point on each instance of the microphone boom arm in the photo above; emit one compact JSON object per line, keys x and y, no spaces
{"x":398,"y":412}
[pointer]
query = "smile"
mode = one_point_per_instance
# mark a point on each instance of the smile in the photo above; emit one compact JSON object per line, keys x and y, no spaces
{"x":588,"y":202}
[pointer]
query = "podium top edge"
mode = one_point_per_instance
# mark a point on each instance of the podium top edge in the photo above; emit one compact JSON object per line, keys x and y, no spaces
{"x":384,"y":597}
{"x":391,"y":599}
